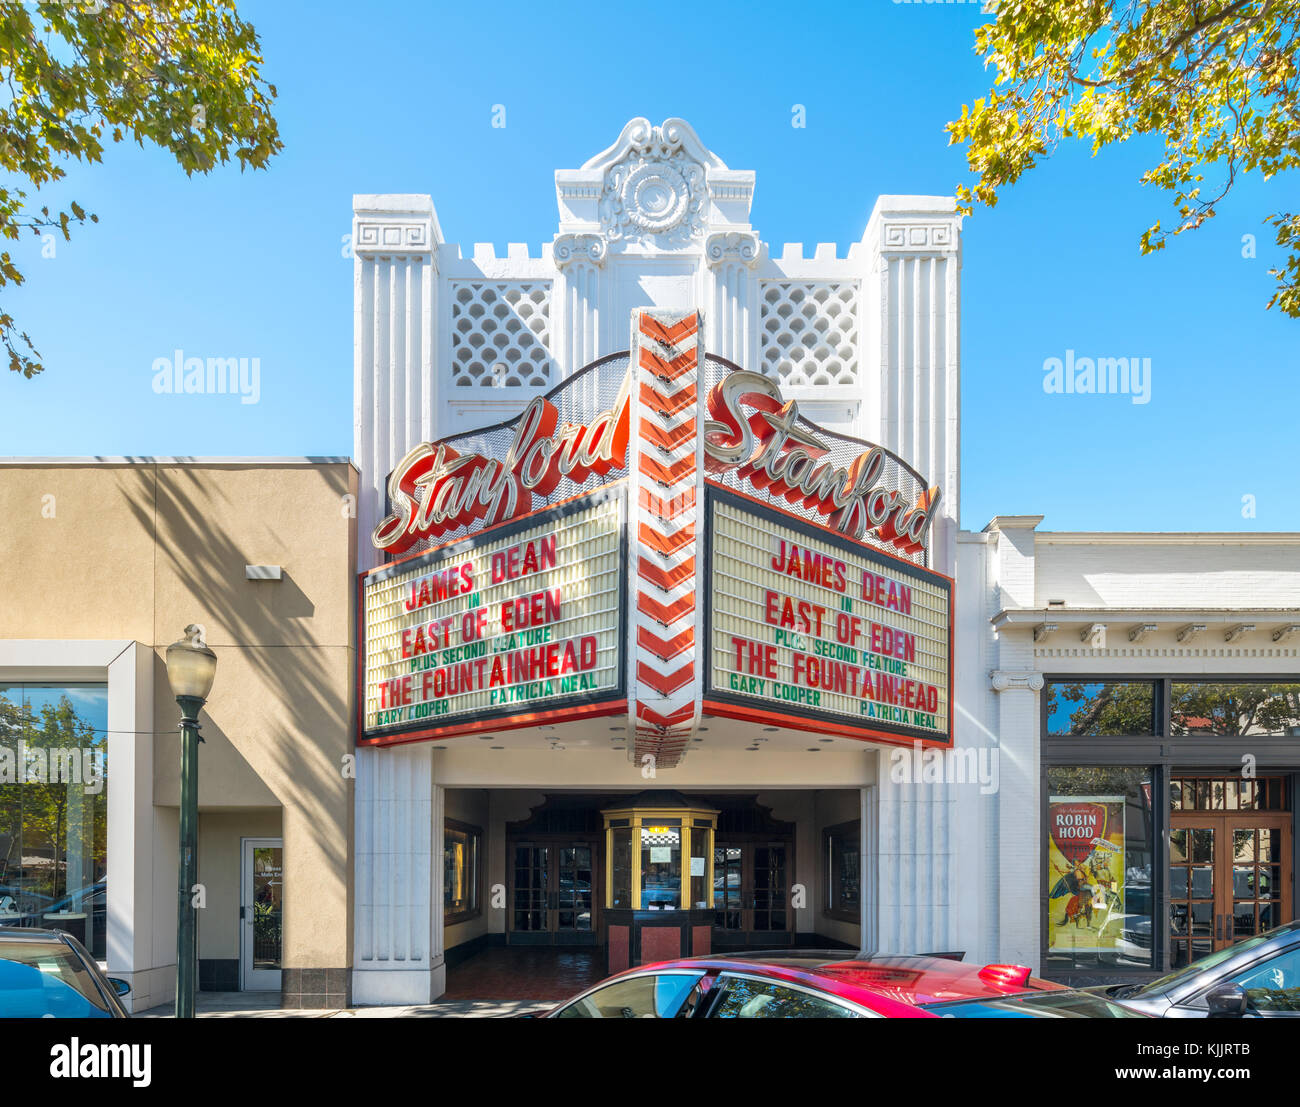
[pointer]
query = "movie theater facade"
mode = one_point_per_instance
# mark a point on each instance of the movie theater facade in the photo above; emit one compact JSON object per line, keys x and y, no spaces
{"x":668,"y":640}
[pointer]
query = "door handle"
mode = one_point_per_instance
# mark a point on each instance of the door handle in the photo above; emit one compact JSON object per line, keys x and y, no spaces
{"x":1231,"y":921}
{"x":1218,"y":928}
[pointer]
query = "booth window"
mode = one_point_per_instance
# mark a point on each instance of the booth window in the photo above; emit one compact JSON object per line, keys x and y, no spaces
{"x":54,"y":810}
{"x":843,"y":853}
{"x":461,"y":849}
{"x":1101,"y":708}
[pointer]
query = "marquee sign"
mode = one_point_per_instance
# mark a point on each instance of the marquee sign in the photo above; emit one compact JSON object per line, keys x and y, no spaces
{"x":663,"y":535}
{"x":521,"y":622}
{"x":820,"y":632}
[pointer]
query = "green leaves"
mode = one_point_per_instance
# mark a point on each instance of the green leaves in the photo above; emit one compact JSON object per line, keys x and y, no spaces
{"x":184,"y":75}
{"x":1218,"y":81}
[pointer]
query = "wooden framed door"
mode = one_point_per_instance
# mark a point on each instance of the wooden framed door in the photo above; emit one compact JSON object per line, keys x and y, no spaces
{"x":1229,"y":877}
{"x":553,"y":893}
{"x":751,"y":893}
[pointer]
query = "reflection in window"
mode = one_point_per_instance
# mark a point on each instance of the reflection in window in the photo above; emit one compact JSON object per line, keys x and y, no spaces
{"x":1098,"y":856}
{"x":460,"y":871}
{"x":641,"y":997}
{"x":661,"y":865}
{"x":1252,"y":708}
{"x":843,"y":848}
{"x":765,"y":999}
{"x":1100,"y":708}
{"x":1274,"y":985}
{"x":54,"y":809}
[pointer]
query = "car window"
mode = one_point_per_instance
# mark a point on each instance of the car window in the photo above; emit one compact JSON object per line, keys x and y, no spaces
{"x":39,"y":979}
{"x":1273,"y":984}
{"x":637,"y":997}
{"x":746,"y":998}
{"x":1034,"y":1005}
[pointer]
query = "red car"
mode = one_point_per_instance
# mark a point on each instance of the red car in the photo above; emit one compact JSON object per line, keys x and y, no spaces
{"x":817,"y":984}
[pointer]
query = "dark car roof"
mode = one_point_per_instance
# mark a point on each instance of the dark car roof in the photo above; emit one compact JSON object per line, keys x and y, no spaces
{"x":30,"y":934}
{"x":913,"y":981}
{"x":1189,"y":980}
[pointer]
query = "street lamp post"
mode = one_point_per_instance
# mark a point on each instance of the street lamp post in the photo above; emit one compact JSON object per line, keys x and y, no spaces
{"x":191,"y":668}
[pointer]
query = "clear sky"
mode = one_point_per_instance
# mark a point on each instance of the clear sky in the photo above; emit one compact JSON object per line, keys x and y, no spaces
{"x":398,"y":97}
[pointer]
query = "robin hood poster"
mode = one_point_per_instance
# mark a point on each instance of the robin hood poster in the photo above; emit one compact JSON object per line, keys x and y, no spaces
{"x":1085,"y":872}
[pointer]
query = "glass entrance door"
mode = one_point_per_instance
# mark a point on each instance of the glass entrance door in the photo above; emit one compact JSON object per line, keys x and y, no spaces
{"x":552,"y":898}
{"x":261,"y":911}
{"x":1229,"y":878}
{"x":751,"y":893}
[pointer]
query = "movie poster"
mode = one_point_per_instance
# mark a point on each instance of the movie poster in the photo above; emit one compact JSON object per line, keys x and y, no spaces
{"x":1085,"y":873}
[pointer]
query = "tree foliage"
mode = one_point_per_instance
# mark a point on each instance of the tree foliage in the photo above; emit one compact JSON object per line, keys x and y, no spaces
{"x":183,"y":75}
{"x":1215,"y":80}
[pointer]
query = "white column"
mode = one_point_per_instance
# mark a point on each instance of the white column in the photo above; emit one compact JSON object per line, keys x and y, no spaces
{"x":914,"y":857}
{"x":912,"y":318}
{"x":141,"y":938}
{"x":732,"y":299}
{"x":398,"y":956}
{"x":395,"y":372}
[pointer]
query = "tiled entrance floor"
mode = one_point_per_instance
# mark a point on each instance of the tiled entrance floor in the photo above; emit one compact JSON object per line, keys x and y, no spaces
{"x":512,"y":972}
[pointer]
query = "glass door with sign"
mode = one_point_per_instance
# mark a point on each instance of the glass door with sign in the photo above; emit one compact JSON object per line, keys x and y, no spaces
{"x":1229,"y":863}
{"x":551,"y":895}
{"x":261,"y":912}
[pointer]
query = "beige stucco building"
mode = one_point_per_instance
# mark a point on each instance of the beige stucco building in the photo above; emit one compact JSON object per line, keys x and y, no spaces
{"x":105,"y":562}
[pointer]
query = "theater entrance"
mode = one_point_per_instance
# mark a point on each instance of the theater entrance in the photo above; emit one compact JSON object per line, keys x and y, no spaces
{"x":554,"y":891}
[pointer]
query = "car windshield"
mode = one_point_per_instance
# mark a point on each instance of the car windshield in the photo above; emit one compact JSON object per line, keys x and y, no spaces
{"x":1034,"y":1005}
{"x":41,"y":979}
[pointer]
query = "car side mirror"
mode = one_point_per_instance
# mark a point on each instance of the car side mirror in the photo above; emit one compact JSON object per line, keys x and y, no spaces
{"x":120,"y":986}
{"x":1226,"y":1001}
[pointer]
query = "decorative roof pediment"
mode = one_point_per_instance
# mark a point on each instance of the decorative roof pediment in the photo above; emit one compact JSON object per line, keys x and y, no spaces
{"x":656,"y":189}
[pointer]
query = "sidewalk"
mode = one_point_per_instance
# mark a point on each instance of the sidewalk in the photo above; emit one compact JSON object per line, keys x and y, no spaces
{"x":251,"y":1005}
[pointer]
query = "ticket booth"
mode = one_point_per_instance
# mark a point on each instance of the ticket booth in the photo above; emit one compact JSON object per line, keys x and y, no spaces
{"x":659,"y":878}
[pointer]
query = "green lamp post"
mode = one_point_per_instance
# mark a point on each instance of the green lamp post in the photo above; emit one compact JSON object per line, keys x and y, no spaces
{"x":191,"y":668}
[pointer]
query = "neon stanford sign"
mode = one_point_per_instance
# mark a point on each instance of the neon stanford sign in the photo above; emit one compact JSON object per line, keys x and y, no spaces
{"x":751,"y":429}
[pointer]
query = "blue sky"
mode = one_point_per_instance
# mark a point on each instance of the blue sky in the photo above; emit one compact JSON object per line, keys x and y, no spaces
{"x":397,"y":97}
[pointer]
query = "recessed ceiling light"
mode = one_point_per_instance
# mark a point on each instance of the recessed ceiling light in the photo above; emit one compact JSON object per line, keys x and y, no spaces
{"x":486,"y":737}
{"x":770,"y":729}
{"x":498,"y":747}
{"x":750,"y":749}
{"x":825,"y":739}
{"x":702,"y":729}
{"x":814,"y":749}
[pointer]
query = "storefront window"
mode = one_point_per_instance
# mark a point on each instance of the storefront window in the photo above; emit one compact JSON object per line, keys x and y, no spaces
{"x":1101,"y":708}
{"x":661,"y":866}
{"x":54,"y":809}
{"x":460,"y":871}
{"x":1100,"y":875}
{"x":1203,"y":707}
{"x":843,"y":848}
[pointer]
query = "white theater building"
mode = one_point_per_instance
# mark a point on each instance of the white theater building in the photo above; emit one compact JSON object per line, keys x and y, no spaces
{"x":1105,"y":683}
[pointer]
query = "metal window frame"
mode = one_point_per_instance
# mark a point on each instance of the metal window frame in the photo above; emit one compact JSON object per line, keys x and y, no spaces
{"x":1165,"y":753}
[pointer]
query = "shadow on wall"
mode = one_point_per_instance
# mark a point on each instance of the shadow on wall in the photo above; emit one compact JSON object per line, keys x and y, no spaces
{"x":282,"y":701}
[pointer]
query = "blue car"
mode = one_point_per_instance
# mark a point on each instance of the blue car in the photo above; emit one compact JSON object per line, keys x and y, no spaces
{"x":49,"y":974}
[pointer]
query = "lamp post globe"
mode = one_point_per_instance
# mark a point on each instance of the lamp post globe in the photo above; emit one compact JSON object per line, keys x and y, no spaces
{"x":191,"y":669}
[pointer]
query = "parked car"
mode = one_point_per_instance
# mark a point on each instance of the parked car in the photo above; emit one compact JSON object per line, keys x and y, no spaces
{"x":803,"y":984}
{"x":49,"y":974}
{"x":1258,"y":977}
